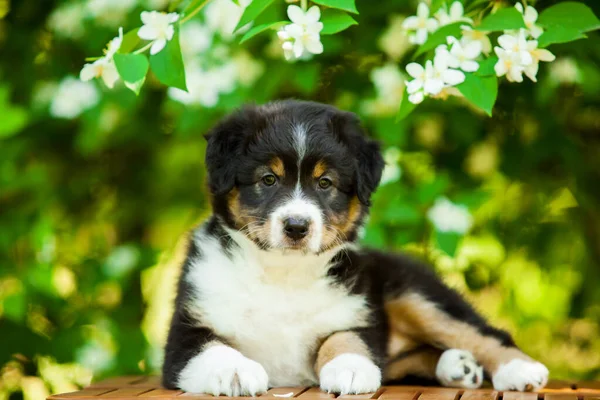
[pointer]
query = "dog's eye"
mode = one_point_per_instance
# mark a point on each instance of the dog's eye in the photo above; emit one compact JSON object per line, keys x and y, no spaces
{"x":269,"y":180}
{"x":324,"y":183}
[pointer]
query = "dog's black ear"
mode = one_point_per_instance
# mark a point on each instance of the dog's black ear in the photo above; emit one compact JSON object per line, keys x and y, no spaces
{"x":369,"y":161}
{"x":226,"y":144}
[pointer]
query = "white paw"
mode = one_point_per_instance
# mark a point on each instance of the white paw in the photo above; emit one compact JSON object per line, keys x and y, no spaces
{"x":520,"y":375}
{"x":223,"y":370}
{"x":350,"y":374}
{"x":458,"y":368}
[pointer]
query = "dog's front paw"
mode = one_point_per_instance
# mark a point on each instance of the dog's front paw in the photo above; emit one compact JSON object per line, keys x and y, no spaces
{"x":350,"y":374}
{"x":221,"y":370}
{"x":458,"y":368}
{"x":522,"y":375}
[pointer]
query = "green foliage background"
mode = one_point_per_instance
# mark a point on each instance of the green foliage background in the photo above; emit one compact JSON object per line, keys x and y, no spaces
{"x":92,"y":208}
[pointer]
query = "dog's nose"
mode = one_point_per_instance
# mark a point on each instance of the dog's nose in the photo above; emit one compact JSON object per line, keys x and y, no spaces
{"x":295,"y":228}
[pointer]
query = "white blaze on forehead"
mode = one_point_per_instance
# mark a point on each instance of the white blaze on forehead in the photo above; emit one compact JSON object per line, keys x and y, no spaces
{"x":299,"y":134}
{"x":298,"y":207}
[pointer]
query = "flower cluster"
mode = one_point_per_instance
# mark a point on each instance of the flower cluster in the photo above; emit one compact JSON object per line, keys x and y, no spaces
{"x":420,"y":26}
{"x":518,"y":52}
{"x":450,"y":63}
{"x":301,"y":39}
{"x":158,"y":28}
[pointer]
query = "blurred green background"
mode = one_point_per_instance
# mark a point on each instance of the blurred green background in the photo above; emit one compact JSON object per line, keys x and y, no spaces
{"x":97,"y":186}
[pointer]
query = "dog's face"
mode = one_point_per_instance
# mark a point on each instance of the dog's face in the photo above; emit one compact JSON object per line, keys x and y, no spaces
{"x":292,"y":175}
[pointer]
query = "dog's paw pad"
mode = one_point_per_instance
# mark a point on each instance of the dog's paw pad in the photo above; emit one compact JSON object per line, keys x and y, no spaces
{"x":521,"y":375}
{"x":221,"y":370}
{"x":458,"y":368}
{"x":350,"y":374}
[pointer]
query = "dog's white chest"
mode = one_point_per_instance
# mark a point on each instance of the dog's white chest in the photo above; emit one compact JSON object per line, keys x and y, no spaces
{"x":276,"y":316}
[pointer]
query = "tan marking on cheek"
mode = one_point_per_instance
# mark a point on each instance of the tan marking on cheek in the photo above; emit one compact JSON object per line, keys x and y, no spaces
{"x":420,"y":319}
{"x":320,"y":169}
{"x":243,"y":218}
{"x":235,"y":208}
{"x":340,"y":343}
{"x":277,"y":167}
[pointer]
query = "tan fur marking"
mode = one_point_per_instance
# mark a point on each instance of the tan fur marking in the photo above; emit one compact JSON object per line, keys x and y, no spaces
{"x":420,"y":319}
{"x":277,"y":167}
{"x":320,"y":169}
{"x":340,"y":343}
{"x":399,"y":343}
{"x":421,"y":364}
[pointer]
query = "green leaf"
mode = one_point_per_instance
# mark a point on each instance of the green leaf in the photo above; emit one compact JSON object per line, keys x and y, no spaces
{"x":439,"y":37}
{"x":402,"y":214}
{"x":346,"y":5}
{"x":559,"y":34}
{"x":131,"y":67}
{"x":261,"y":28}
{"x":167,"y":65}
{"x":136,"y":87}
{"x":447,"y":242}
{"x":504,"y":19}
{"x":174,"y":4}
{"x":480,"y":91}
{"x":14,"y":118}
{"x":436,"y":5}
{"x":569,"y":15}
{"x":130,"y":41}
{"x":252,"y":11}
{"x":335,"y":21}
{"x":486,"y":67}
{"x":406,"y":107}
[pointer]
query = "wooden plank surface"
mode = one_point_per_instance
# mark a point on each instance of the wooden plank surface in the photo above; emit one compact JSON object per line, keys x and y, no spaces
{"x":141,"y":387}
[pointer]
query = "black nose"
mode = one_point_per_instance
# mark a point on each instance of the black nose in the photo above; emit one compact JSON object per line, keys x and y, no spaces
{"x":295,"y":228}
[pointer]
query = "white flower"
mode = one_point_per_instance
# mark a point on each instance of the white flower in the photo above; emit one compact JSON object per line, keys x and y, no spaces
{"x":516,"y":44}
{"x":104,"y":67}
{"x":420,"y":25}
{"x":205,"y":86}
{"x":449,"y":217}
{"x":391,"y":171}
{"x":222,"y":16}
{"x":471,"y":35}
{"x":67,"y":20}
{"x":455,"y":14}
{"x":302,"y":37}
{"x":195,"y":38}
{"x":537,"y":55}
{"x":461,"y":56}
{"x":110,"y":12}
{"x":432,"y":79}
{"x":530,"y":16}
{"x":73,"y":97}
{"x":389,"y":84}
{"x":509,"y":64}
{"x":157,"y":27}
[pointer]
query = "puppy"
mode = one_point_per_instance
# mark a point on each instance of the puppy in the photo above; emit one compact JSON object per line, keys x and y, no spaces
{"x":275,"y":290}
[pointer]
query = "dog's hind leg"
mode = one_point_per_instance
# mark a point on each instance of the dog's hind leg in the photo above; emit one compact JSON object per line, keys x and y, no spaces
{"x":447,"y":322}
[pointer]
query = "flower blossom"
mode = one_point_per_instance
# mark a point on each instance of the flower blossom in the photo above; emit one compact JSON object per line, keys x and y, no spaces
{"x":454,"y":14}
{"x":449,"y":217}
{"x":302,"y":37}
{"x":433,"y":78}
{"x":517,"y":56}
{"x":420,"y":25}
{"x":158,"y":27}
{"x":471,"y":35}
{"x":530,"y":16}
{"x":104,"y":67}
{"x":537,"y":55}
{"x":461,"y":56}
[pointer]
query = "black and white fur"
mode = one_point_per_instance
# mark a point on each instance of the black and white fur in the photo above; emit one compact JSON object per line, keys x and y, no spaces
{"x":276,"y":292}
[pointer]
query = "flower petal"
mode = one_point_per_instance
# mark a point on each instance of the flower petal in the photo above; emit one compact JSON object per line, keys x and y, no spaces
{"x":500,"y":68}
{"x":410,"y":23}
{"x":314,"y":45}
{"x":453,"y":77}
{"x":519,"y":7}
{"x":313,"y":15}
{"x":421,"y":36}
{"x":415,"y":70}
{"x":169,"y":32}
{"x":431,"y":24}
{"x":473,"y":49}
{"x":88,"y":72}
{"x":545,"y":55}
{"x":316,"y":27}
{"x":298,"y":48}
{"x":507,"y":41}
{"x":536,"y":31}
{"x":146,"y":17}
{"x":433,"y":86}
{"x":416,"y":98}
{"x":295,"y":14}
{"x":157,"y":46}
{"x":110,"y":75}
{"x":422,"y":10}
{"x":469,"y":66}
{"x":148,"y":32}
{"x":294,"y":30}
{"x":456,"y":10}
{"x":531,"y":14}
{"x":531,"y":71}
{"x":414,"y":86}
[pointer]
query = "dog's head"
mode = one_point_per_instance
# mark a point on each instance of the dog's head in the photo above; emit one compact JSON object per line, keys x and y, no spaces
{"x":292,"y":175}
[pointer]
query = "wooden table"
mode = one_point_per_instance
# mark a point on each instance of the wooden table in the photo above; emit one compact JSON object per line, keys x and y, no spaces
{"x":137,"y":387}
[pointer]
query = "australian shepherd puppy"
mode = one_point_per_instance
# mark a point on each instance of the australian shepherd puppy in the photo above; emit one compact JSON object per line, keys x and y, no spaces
{"x":275,"y":290}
